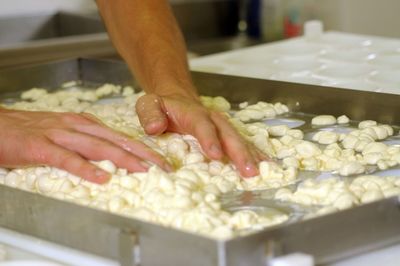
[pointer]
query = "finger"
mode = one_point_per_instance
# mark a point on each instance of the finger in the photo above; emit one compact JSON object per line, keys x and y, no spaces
{"x":69,"y":118}
{"x":207,"y":135}
{"x":132,"y":146}
{"x":54,"y":155}
{"x":92,"y":118}
{"x":264,"y":157}
{"x":143,"y":151}
{"x":235,"y":146}
{"x":96,"y":149}
{"x":151,"y":114}
{"x":258,"y":155}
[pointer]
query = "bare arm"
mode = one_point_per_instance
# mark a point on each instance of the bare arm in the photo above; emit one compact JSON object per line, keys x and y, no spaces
{"x":147,"y":36}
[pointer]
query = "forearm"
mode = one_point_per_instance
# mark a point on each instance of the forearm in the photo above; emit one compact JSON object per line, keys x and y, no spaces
{"x":147,"y":36}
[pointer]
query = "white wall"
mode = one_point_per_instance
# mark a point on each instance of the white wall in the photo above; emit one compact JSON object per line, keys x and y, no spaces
{"x":371,"y":17}
{"x":14,"y":7}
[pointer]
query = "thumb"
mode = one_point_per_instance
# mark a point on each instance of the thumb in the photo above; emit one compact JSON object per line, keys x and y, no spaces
{"x":149,"y":108}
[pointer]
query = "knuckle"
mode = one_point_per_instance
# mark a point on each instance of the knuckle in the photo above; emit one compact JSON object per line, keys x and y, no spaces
{"x":204,"y":112}
{"x":36,"y":151}
{"x":122,"y":156}
{"x":215,"y":114}
{"x":53,"y":133}
{"x":142,"y":99}
{"x":65,"y":161}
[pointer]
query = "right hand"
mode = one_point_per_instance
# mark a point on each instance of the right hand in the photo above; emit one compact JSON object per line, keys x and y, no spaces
{"x":68,"y":141}
{"x":186,"y":115}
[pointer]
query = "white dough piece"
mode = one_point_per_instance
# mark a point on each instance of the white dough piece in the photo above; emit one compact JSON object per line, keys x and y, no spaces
{"x":307,"y":149}
{"x":343,"y":119}
{"x":351,"y":168}
{"x":366,"y":123}
{"x":278,"y":131}
{"x":326,"y":137}
{"x":323,"y":120}
{"x":107,"y":166}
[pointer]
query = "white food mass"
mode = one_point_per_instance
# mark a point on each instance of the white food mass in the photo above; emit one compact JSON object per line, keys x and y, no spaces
{"x":323,"y":120}
{"x":189,"y":197}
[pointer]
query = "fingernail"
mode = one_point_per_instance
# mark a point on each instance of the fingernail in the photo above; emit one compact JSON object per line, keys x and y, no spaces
{"x":216,"y":150}
{"x":251,"y":169}
{"x":155,"y":126}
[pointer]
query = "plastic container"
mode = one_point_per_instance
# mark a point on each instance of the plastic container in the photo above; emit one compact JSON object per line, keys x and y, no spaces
{"x":313,"y":30}
{"x":285,"y":18}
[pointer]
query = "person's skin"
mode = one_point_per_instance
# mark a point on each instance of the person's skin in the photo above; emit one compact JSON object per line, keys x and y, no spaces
{"x":147,"y":36}
{"x":68,"y":141}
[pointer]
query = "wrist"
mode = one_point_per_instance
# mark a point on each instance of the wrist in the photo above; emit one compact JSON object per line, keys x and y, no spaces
{"x":181,"y":89}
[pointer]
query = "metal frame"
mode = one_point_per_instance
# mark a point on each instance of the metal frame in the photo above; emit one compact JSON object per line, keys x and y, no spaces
{"x":328,"y":238}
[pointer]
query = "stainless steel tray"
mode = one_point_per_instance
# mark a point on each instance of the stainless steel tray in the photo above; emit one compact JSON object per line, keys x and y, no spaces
{"x":328,"y":238}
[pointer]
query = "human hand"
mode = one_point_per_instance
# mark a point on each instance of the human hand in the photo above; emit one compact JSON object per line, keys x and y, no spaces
{"x":186,"y":115}
{"x":68,"y":141}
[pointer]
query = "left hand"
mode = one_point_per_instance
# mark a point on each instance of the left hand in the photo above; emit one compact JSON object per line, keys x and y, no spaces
{"x":186,"y":115}
{"x":69,"y":141}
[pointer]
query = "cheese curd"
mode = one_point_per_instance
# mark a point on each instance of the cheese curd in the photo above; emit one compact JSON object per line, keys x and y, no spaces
{"x":337,"y":194}
{"x":189,"y":197}
{"x":351,"y":168}
{"x":366,"y":124}
{"x":217,"y":103}
{"x":260,"y":110}
{"x":343,"y":119}
{"x":323,"y":120}
{"x":326,"y":137}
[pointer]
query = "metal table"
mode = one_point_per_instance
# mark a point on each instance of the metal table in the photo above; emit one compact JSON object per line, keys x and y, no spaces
{"x":328,"y":238}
